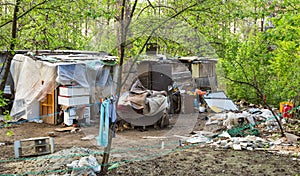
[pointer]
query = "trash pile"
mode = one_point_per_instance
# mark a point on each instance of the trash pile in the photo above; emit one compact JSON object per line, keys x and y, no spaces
{"x":250,"y":129}
{"x":73,"y":161}
{"x":240,"y":124}
{"x":87,"y":165}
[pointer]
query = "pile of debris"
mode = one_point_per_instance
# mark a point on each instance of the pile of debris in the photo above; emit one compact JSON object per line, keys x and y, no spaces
{"x":241,"y":124}
{"x":250,"y":129}
{"x":73,"y":161}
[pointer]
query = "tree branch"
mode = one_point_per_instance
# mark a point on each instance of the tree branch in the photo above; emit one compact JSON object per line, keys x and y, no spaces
{"x":262,"y":97}
{"x":7,"y":3}
{"x":151,"y":34}
{"x":157,"y":6}
{"x":150,"y":4}
{"x":25,"y":13}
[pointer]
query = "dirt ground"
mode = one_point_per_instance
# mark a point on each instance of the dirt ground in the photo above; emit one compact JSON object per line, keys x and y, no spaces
{"x":146,"y":152}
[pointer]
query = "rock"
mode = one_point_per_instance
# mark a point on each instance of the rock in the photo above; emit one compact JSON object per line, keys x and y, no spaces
{"x":251,"y":138}
{"x":89,"y":161}
{"x":215,"y":122}
{"x":292,"y":138}
{"x":260,"y":145}
{"x":249,"y":148}
{"x":236,"y":140}
{"x":223,"y":143}
{"x":243,"y":145}
{"x":236,"y":147}
{"x":218,"y":142}
{"x":228,"y":145}
{"x":74,"y":164}
{"x":51,"y":134}
{"x":88,"y":137}
{"x":87,"y":171}
{"x":225,"y":134}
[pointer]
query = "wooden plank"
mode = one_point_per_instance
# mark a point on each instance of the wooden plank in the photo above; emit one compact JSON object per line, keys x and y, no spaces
{"x":47,"y":107}
{"x":66,"y":129}
{"x":154,"y":137}
{"x":195,"y":71}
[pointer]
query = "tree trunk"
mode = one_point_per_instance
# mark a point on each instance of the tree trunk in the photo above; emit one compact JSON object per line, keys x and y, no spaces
{"x":121,"y":40}
{"x":11,"y":51}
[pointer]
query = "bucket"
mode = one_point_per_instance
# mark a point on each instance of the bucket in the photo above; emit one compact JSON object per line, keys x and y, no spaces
{"x":281,"y":105}
{"x":286,"y":111}
{"x":202,"y":109}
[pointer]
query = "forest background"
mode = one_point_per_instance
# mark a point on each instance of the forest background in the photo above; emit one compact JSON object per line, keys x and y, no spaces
{"x":257,"y":42}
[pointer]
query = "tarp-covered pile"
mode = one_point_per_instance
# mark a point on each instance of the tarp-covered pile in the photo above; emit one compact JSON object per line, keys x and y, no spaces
{"x":140,"y":106}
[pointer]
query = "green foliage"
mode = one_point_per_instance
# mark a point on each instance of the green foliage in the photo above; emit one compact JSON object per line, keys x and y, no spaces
{"x":286,"y":63}
{"x":46,"y":24}
{"x":229,"y":30}
{"x":268,"y":60}
{"x":7,"y":117}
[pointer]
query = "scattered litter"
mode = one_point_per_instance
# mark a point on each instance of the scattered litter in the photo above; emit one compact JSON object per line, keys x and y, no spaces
{"x":51,"y":134}
{"x":198,"y":138}
{"x":181,"y":137}
{"x":292,"y":138}
{"x":205,"y":133}
{"x":114,"y":166}
{"x":154,"y":137}
{"x":66,"y":129}
{"x":87,"y":165}
{"x":35,"y":120}
{"x":91,"y":162}
{"x":237,"y":147}
{"x":75,"y":130}
{"x":225,"y":134}
{"x":89,"y":137}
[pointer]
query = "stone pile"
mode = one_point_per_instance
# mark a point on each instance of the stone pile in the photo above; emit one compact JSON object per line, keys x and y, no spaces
{"x":242,"y":143}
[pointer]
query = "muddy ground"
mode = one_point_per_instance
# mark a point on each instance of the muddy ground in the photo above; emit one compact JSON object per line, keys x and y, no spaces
{"x":158,"y":154}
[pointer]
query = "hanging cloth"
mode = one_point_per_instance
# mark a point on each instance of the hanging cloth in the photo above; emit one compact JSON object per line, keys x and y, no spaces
{"x":104,"y":123}
{"x":113,"y":114}
{"x":113,"y":110}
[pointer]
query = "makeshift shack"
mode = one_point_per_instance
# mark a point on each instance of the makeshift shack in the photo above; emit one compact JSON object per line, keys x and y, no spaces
{"x":49,"y":83}
{"x":159,"y":73}
{"x":203,"y":71}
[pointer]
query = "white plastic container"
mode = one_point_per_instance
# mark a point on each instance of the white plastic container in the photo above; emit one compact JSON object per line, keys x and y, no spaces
{"x":73,"y":91}
{"x":87,"y":115}
{"x":73,"y":101}
{"x":202,"y":109}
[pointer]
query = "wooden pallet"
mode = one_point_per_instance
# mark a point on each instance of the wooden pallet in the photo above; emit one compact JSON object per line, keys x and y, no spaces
{"x":34,"y":146}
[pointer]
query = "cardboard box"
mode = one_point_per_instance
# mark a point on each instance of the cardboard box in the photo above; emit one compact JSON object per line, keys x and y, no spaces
{"x":73,"y":91}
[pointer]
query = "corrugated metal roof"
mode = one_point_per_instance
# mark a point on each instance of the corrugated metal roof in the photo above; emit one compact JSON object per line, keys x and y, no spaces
{"x":197,"y":58}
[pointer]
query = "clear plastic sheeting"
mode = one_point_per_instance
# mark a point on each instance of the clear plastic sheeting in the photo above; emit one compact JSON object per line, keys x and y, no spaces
{"x":72,"y":74}
{"x":33,"y":80}
{"x":219,"y":100}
